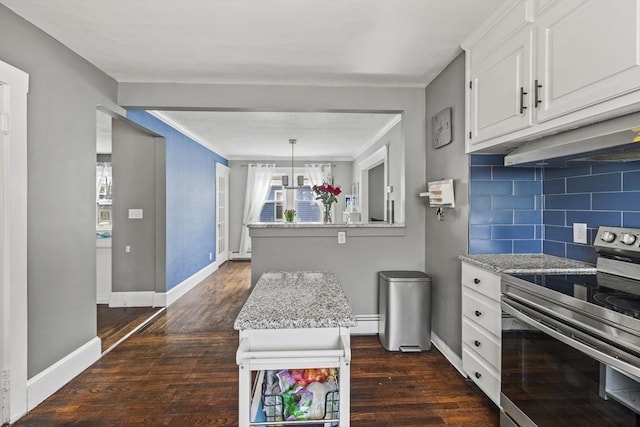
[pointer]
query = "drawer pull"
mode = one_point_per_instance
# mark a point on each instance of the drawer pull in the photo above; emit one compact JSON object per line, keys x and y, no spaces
{"x":478,"y":375}
{"x":478,"y":313}
{"x":476,"y":281}
{"x":476,"y":343}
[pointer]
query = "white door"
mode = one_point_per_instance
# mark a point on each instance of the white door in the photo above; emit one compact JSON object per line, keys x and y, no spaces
{"x":588,"y":52}
{"x":500,"y":94}
{"x":222,"y":213}
{"x":4,"y":291}
{"x":14,"y":85}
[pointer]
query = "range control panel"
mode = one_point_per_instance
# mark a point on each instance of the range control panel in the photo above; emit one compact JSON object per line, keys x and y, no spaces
{"x":618,"y":239}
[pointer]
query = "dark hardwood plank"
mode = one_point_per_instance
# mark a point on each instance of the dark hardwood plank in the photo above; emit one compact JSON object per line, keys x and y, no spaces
{"x":180,"y":370}
{"x":115,"y":323}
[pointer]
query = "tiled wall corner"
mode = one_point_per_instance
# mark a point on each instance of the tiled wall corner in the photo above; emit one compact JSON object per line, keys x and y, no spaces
{"x":505,"y":207}
{"x":602,"y":194}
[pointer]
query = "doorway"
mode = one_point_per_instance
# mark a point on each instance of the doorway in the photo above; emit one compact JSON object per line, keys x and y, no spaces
{"x":222,"y":213}
{"x":114,"y":323}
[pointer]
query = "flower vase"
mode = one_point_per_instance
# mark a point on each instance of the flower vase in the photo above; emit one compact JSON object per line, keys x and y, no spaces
{"x":326,"y":216}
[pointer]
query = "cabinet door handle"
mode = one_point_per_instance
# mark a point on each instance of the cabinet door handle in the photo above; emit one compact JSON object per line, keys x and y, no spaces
{"x":476,"y":281}
{"x":478,"y":313}
{"x":536,"y":94}
{"x":476,"y":343}
{"x":522,"y":94}
{"x":478,"y":375}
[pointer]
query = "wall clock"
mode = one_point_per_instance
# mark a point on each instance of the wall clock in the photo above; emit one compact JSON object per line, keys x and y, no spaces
{"x":441,"y":128}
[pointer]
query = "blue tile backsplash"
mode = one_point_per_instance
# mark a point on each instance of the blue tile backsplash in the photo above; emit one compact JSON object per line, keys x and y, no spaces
{"x":531,"y":210}
{"x":506,"y":211}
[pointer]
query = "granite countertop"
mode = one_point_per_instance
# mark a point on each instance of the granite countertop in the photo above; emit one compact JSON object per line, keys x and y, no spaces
{"x":529,"y":264}
{"x":296,"y":299}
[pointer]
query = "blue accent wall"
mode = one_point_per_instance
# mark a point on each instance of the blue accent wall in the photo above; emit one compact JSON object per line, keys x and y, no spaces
{"x":527,"y":210}
{"x":191,"y":192}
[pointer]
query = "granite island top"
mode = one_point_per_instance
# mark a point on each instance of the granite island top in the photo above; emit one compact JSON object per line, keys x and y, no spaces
{"x":296,"y":299}
{"x":529,"y":264}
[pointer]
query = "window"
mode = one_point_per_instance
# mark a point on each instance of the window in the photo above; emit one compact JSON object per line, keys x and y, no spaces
{"x":307,"y":209}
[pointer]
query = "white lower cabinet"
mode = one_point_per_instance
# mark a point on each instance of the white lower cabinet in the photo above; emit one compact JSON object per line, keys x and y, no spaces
{"x":481,"y":323}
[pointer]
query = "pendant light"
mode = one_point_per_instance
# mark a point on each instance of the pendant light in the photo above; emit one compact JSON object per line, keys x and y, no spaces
{"x":285,"y":178}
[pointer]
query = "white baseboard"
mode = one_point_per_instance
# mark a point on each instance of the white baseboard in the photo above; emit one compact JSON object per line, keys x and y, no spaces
{"x":237,"y":256}
{"x":446,"y":351}
{"x":64,"y":370}
{"x":367,"y":325}
{"x":189,"y":283}
{"x":132,"y":299}
{"x":102,"y":299}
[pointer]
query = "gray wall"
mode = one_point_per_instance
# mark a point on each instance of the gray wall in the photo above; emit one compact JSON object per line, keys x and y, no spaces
{"x":447,"y":239}
{"x":139,"y":176}
{"x":361,"y":260}
{"x":356,"y":263}
{"x":63,"y":95}
{"x":342,"y":172}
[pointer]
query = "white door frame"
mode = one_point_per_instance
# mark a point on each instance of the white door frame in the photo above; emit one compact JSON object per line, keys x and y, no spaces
{"x":381,"y":155}
{"x":13,"y":229}
{"x":222,"y":171}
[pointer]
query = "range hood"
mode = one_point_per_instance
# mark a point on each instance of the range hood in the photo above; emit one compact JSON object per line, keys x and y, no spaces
{"x":615,"y":140}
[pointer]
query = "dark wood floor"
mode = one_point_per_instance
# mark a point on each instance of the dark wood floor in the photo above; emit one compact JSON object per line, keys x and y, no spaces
{"x":180,"y":370}
{"x":115,"y":323}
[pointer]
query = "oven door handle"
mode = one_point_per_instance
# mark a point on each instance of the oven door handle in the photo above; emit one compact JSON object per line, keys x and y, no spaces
{"x":567,"y":335}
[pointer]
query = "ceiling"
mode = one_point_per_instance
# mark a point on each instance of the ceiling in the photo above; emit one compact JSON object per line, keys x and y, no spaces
{"x":400,"y":43}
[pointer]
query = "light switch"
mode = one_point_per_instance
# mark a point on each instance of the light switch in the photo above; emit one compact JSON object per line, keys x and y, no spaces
{"x":127,"y":249}
{"x":135,"y":213}
{"x":342,"y":237}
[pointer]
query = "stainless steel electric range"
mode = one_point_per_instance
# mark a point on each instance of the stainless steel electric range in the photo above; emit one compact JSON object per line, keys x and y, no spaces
{"x":571,"y":343}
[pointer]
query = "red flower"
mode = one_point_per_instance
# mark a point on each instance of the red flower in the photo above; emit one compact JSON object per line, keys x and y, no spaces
{"x":326,"y":193}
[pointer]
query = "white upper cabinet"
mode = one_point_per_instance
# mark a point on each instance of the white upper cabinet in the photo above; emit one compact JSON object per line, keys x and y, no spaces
{"x":538,"y":67}
{"x":588,"y":52}
{"x":499,"y":90}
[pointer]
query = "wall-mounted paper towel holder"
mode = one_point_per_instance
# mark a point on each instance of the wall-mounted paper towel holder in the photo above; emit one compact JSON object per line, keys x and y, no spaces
{"x":440,"y":194}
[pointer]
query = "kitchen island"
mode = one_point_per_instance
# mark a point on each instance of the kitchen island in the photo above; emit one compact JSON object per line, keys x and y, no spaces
{"x":297,"y":320}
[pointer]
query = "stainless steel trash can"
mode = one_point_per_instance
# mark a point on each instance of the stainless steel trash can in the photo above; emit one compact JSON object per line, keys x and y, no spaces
{"x":404,"y":307}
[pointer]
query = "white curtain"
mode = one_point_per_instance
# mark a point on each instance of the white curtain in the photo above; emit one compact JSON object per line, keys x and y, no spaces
{"x":103,"y":180}
{"x":318,"y":174}
{"x":314,"y":172}
{"x":258,"y":185}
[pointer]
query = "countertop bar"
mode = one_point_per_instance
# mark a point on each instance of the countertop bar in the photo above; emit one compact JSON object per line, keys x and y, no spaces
{"x":297,"y":299}
{"x":287,"y":225}
{"x":529,"y":264}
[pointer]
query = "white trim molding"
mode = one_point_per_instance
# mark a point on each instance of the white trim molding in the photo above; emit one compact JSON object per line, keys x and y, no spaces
{"x":13,"y":228}
{"x":64,"y":370}
{"x":132,"y":299}
{"x":446,"y":351}
{"x":189,"y":283}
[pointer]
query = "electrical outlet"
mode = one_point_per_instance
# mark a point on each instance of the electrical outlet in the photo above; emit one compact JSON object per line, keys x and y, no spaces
{"x":342,"y":237}
{"x":210,"y":256}
{"x":579,"y":233}
{"x":127,"y":249}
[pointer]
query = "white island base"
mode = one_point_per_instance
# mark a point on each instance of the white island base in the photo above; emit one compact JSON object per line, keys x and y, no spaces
{"x":276,"y":349}
{"x":294,"y":321}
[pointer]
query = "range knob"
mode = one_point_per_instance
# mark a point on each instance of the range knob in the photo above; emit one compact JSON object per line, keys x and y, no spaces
{"x":608,"y":236}
{"x":627,"y":239}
